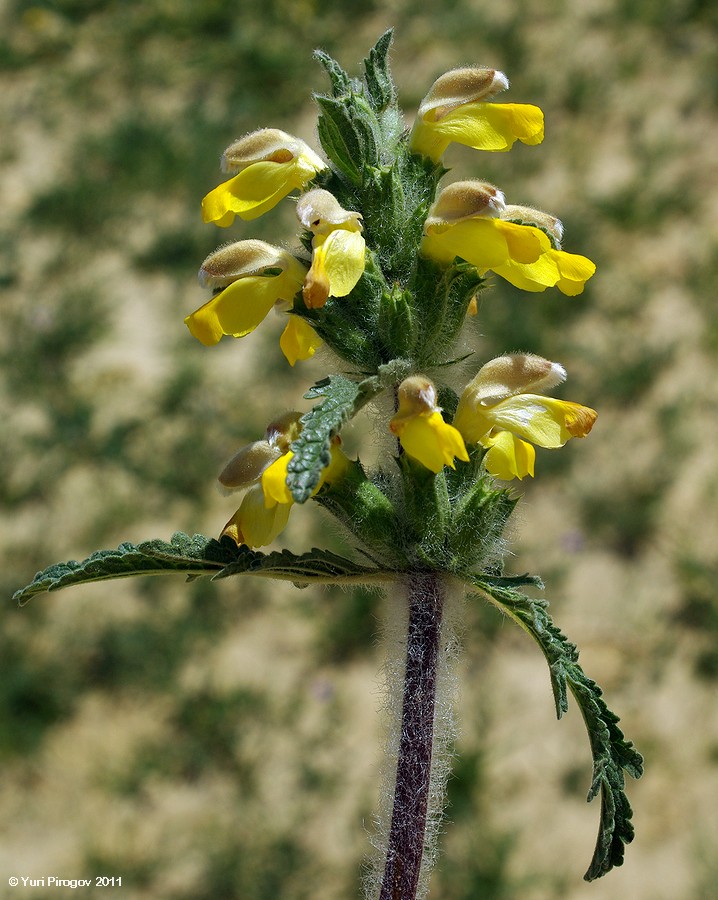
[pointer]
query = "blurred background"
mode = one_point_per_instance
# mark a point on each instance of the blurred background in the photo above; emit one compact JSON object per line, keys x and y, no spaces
{"x":224,"y":741}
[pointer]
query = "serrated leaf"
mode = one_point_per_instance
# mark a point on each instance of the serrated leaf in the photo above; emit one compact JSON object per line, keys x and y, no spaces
{"x":340,"y":81}
{"x":192,"y":556}
{"x":317,"y":565}
{"x":342,"y":398}
{"x":378,"y":80}
{"x":612,"y":753}
{"x":513,"y":581}
{"x":346,"y":131}
{"x":336,"y":135}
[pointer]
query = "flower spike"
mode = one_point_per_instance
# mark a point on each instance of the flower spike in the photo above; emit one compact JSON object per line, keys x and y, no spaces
{"x":428,"y":523}
{"x":271,"y":164}
{"x":455,"y":109}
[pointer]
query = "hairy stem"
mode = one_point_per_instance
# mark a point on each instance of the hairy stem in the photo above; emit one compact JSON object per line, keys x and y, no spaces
{"x":407,"y":833}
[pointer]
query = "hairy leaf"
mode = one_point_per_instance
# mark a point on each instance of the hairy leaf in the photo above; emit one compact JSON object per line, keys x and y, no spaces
{"x":317,"y":565}
{"x":198,"y":555}
{"x":342,"y":398}
{"x":378,"y":80}
{"x":612,"y":753}
{"x":341,"y":82}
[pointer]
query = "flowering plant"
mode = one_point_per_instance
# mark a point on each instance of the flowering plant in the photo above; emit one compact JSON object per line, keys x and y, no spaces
{"x":390,"y":265}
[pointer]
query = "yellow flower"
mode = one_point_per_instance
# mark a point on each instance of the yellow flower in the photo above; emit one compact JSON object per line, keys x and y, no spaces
{"x":421,"y":429}
{"x":455,"y":110}
{"x":271,"y":164}
{"x":260,"y":469}
{"x":499,"y":410}
{"x":255,"y":276}
{"x":338,"y":247}
{"x":471,"y":220}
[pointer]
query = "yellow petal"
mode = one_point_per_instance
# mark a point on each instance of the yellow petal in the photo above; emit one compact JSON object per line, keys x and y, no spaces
{"x":274,"y":477}
{"x":542,"y":420}
{"x":574,"y":270}
{"x":430,"y":440}
{"x":535,"y":276}
{"x":509,"y":457}
{"x":484,"y":242}
{"x":336,"y":469}
{"x":254,"y":524}
{"x":524,"y":242}
{"x":493,"y":126}
{"x":237,"y":310}
{"x":256,"y":189}
{"x":299,"y":340}
{"x":483,"y":126}
{"x":343,"y":260}
{"x":471,"y":422}
{"x":274,"y":482}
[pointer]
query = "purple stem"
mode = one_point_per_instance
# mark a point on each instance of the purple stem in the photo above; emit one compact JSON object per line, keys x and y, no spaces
{"x":413,"y":771}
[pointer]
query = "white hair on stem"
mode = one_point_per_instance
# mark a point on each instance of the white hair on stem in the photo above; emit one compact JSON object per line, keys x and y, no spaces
{"x":443,"y":724}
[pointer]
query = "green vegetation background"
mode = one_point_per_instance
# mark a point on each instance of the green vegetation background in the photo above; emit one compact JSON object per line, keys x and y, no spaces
{"x":224,"y":741}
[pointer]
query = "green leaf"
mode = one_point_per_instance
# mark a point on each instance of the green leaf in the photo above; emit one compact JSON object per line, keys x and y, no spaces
{"x":337,"y":137}
{"x":342,"y":398}
{"x":427,"y":512}
{"x":612,"y":753}
{"x":442,"y":300}
{"x":368,"y":513}
{"x":378,"y":80}
{"x":317,"y":565}
{"x":346,"y":131}
{"x":200,"y":555}
{"x":193,"y":556}
{"x":479,"y":516}
{"x":341,"y":83}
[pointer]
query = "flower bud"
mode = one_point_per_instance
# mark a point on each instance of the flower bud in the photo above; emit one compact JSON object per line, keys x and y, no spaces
{"x":465,"y":200}
{"x":461,"y":86}
{"x":417,"y":396}
{"x":268,"y":145}
{"x":320,"y":212}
